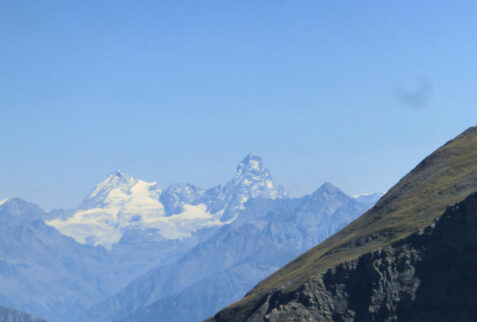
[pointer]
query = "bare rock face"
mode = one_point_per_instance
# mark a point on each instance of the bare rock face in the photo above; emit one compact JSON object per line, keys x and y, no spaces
{"x":429,"y":276}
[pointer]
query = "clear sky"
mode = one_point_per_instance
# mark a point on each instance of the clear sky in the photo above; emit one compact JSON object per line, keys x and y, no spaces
{"x":351,"y":92}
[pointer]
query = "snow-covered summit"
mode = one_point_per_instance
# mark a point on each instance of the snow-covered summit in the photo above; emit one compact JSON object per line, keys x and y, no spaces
{"x":252,"y":164}
{"x":117,"y":203}
{"x":113,"y":187}
{"x":251,"y":180}
{"x":121,"y":202}
{"x":253,"y":177}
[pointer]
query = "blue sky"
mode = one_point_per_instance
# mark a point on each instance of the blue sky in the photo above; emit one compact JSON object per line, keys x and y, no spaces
{"x":351,"y":92}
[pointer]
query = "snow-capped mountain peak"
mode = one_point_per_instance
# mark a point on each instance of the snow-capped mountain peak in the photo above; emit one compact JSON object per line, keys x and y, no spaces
{"x":104,"y":192}
{"x":250,"y":166}
{"x":252,"y":180}
{"x":116,"y":178}
{"x":121,"y":202}
{"x":117,"y":203}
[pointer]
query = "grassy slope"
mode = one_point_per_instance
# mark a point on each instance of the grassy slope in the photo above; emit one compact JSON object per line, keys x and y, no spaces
{"x":445,"y":177}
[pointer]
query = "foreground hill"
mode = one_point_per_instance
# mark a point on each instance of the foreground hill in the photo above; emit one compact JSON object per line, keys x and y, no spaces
{"x":444,"y":178}
{"x":11,"y":315}
{"x":428,"y":276}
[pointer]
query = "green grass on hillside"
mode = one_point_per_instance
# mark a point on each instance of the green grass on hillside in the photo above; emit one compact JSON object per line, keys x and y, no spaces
{"x":444,"y":178}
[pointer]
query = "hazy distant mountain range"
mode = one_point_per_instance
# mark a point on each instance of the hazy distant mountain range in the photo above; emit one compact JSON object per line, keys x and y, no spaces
{"x":44,"y":272}
{"x":122,"y":203}
{"x":133,"y":251}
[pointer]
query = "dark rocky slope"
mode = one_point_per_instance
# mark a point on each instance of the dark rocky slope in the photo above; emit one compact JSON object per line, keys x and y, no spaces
{"x":429,"y":276}
{"x":444,"y":178}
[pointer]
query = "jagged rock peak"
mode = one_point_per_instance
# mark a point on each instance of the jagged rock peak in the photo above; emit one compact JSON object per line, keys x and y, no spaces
{"x":119,"y":173}
{"x":251,"y":165}
{"x":118,"y":176}
{"x":256,"y":179}
{"x":251,"y":168}
{"x":115,"y":179}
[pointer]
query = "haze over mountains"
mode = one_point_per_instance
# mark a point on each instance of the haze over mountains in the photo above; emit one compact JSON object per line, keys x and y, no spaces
{"x":44,"y":272}
{"x":122,"y":203}
{"x":199,"y":249}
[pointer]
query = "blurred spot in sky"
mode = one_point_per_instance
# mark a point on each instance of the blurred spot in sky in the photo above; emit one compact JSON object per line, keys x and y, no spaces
{"x":416,"y":95}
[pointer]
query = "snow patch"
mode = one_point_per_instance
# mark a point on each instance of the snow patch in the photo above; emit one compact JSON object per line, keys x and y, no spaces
{"x":254,"y":164}
{"x":362,"y":194}
{"x":193,"y":218}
